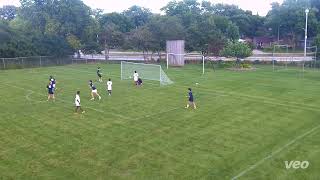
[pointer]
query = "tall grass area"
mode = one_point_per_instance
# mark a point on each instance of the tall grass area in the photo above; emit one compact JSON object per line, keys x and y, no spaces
{"x":246,"y":125}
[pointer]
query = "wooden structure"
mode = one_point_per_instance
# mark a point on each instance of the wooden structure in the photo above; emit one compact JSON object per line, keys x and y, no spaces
{"x":175,"y":52}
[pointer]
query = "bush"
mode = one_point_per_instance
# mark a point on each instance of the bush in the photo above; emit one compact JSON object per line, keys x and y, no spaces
{"x":246,"y":65}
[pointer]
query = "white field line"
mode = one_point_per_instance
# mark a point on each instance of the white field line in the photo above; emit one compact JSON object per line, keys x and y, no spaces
{"x":31,"y":100}
{"x":103,"y":112}
{"x":32,"y":92}
{"x":97,"y":110}
{"x":254,"y":166}
{"x":257,"y":98}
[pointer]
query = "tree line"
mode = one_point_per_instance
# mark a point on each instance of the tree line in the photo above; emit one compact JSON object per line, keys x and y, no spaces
{"x":61,"y":27}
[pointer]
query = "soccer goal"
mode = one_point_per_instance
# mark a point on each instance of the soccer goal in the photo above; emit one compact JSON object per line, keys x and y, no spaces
{"x":312,"y":53}
{"x":280,"y":57}
{"x":145,"y":71}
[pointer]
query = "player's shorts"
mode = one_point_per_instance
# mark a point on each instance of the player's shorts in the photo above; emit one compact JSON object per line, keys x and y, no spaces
{"x":50,"y":92}
{"x":78,"y":105}
{"x":190,"y":99}
{"x":100,"y":75}
{"x":95,"y":91}
{"x":109,"y":91}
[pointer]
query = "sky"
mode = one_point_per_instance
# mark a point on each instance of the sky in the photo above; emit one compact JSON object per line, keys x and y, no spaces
{"x":256,"y":6}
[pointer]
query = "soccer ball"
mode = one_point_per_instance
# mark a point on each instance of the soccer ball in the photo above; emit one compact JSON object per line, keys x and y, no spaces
{"x":197,"y":83}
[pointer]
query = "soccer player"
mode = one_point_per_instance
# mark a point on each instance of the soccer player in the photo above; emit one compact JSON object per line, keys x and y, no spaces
{"x":94,"y":91}
{"x":135,"y":77}
{"x":109,"y":87}
{"x":139,"y":82}
{"x":50,"y":92}
{"x":99,"y":74}
{"x":77,"y":103}
{"x":191,"y":100}
{"x":52,"y":80}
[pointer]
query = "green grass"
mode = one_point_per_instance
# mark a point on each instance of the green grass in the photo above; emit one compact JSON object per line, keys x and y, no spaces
{"x":260,"y":118}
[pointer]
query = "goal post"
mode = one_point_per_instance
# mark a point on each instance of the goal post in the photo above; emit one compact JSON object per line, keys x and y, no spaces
{"x":312,"y":51}
{"x":146,"y":71}
{"x":277,"y":60}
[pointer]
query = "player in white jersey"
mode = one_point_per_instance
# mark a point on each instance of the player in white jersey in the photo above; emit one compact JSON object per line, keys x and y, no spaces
{"x":77,"y":103}
{"x":109,"y":87}
{"x":135,"y":77}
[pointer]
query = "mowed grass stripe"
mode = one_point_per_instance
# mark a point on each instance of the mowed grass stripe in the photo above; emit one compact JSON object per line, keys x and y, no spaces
{"x":216,"y":141}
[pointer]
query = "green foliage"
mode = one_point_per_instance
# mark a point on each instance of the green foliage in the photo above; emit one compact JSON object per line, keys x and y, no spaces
{"x":139,"y":16}
{"x":205,"y":26}
{"x":141,"y":39}
{"x":236,"y":49}
{"x":73,"y":41}
{"x":163,"y":28}
{"x":288,"y":19}
{"x":123,"y":22}
{"x":246,"y":65}
{"x":8,"y":12}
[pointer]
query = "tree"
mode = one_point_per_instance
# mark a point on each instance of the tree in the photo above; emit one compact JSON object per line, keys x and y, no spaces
{"x":60,"y":18}
{"x":164,"y":28}
{"x":111,"y":38}
{"x":141,"y":39}
{"x":247,"y":23}
{"x":236,"y":49}
{"x":288,"y":20}
{"x":8,"y":12}
{"x":138,"y":16}
{"x":123,"y":22}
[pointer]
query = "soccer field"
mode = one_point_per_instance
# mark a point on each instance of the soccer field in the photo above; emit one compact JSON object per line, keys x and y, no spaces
{"x":246,"y":126}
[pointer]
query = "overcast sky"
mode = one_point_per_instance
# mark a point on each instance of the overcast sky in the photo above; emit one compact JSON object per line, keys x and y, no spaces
{"x":256,"y":6}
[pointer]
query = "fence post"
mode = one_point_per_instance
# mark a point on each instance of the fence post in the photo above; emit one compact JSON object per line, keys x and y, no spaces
{"x":4,"y":64}
{"x":40,"y":62}
{"x":22,"y":63}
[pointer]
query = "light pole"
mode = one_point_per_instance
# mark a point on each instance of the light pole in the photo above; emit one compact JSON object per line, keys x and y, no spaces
{"x":305,"y":37}
{"x":279,"y":34}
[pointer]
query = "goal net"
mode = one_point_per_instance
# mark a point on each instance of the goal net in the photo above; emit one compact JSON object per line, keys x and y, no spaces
{"x":280,"y":57}
{"x":145,"y":71}
{"x":312,"y":54}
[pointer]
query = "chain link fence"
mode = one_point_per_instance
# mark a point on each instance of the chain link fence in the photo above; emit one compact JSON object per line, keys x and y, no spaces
{"x":34,"y":61}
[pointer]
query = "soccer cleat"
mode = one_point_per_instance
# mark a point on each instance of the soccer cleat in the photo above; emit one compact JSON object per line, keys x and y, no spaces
{"x":83,"y":112}
{"x":99,"y":97}
{"x":91,"y":99}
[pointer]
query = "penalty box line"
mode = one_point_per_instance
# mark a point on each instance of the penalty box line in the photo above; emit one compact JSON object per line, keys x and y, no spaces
{"x":98,"y":110}
{"x":270,"y":156}
{"x":29,"y":99}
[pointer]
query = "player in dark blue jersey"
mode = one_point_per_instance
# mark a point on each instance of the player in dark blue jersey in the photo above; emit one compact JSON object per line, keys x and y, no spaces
{"x":50,"y":92}
{"x":94,"y":91}
{"x":52,"y":80}
{"x":99,"y":74}
{"x":191,"y":100}
{"x":139,"y":82}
